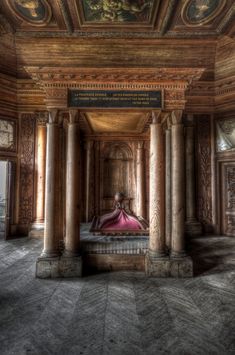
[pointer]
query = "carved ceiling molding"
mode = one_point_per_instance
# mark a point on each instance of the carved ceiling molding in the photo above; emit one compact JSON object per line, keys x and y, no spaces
{"x":5,"y":26}
{"x":69,"y":77}
{"x":169,"y":14}
{"x":66,"y":14}
{"x":227,"y":20}
{"x":118,"y":34}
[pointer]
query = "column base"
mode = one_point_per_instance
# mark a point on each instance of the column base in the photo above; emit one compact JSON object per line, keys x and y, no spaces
{"x":36,"y":230}
{"x":54,"y":267}
{"x":169,"y":267}
{"x":193,"y":228}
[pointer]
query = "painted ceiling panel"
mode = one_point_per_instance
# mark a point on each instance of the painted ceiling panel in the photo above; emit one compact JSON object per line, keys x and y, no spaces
{"x":141,"y":18}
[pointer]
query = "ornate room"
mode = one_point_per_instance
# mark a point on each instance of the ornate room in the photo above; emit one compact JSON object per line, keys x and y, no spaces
{"x":117,"y":177}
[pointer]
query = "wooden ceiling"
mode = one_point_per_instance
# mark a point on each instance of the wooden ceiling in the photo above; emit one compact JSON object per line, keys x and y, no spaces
{"x":117,"y":121}
{"x":115,"y":18}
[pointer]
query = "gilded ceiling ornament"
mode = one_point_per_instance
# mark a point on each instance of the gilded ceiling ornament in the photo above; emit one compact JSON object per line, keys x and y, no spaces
{"x":117,"y":10}
{"x":199,"y":12}
{"x":35,"y":12}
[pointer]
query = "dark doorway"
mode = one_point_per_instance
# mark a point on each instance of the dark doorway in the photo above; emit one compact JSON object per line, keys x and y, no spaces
{"x":7,"y":173}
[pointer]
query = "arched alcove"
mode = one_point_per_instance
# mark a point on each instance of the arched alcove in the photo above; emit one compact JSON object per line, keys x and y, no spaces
{"x":117,"y":172}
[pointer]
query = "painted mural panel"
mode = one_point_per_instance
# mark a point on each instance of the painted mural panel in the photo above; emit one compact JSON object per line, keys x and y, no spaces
{"x":37,"y":12}
{"x":197,"y":12}
{"x":117,"y":10}
{"x":7,"y":135}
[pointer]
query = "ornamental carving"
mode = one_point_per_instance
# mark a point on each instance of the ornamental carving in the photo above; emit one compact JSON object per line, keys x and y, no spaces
{"x":42,"y":118}
{"x":27,"y":132}
{"x":204,"y":171}
{"x":230,"y":225}
{"x":230,"y":172}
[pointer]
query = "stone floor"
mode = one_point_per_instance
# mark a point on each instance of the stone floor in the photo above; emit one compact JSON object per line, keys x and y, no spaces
{"x":118,"y":313}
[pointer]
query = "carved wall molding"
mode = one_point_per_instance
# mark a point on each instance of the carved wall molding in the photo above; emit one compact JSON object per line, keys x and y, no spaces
{"x":204,"y":187}
{"x":26,"y":162}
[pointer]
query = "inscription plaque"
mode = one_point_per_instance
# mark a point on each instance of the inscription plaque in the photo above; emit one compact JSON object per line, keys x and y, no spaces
{"x":115,"y":99}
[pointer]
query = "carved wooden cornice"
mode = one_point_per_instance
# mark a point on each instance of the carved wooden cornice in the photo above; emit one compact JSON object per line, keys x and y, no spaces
{"x":55,"y":82}
{"x":135,"y":75}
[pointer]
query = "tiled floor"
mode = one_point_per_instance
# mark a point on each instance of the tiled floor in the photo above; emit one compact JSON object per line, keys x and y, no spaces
{"x":118,"y":313}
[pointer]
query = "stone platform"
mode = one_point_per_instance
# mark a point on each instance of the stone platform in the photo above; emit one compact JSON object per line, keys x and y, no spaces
{"x":113,"y":253}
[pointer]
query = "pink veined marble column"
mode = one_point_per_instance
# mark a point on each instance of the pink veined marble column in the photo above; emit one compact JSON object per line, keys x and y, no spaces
{"x":72,"y":229}
{"x":178,"y":185}
{"x":140,"y":181}
{"x":88,"y":149}
{"x":157,"y":189}
{"x":168,"y":184}
{"x":50,"y":239}
{"x":41,"y":171}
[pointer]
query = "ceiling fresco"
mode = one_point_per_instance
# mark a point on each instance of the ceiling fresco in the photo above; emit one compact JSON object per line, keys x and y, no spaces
{"x":110,"y":18}
{"x":36,"y":12}
{"x":197,"y":12}
{"x":117,"y":10}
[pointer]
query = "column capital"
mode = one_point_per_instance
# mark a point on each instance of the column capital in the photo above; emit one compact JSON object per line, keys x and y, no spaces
{"x":41,"y":118}
{"x":73,"y":116}
{"x":177,"y":117}
{"x":53,"y":116}
{"x":156,"y":117}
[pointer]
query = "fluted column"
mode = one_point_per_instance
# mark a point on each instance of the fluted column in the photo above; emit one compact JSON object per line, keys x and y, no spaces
{"x":140,"y":181}
{"x":168,"y":184}
{"x":193,"y":227}
{"x":50,"y":238}
{"x":178,"y":185}
{"x":88,"y":148}
{"x":72,"y":233}
{"x":41,"y":133}
{"x":157,"y":189}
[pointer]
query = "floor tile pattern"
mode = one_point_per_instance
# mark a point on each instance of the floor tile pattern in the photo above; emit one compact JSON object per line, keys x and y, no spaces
{"x":120,"y":313}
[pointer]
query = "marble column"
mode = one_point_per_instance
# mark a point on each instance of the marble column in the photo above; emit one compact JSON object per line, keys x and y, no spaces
{"x":193,"y":227}
{"x":178,"y":185}
{"x":72,"y":232}
{"x":50,"y":239}
{"x":41,"y":137}
{"x":168,"y":184}
{"x":140,"y":181}
{"x":157,"y":189}
{"x":88,"y":150}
